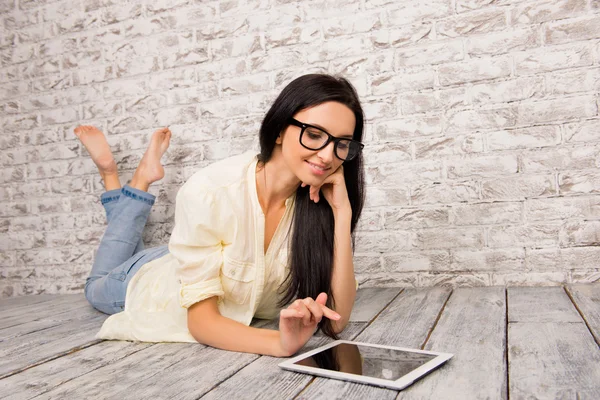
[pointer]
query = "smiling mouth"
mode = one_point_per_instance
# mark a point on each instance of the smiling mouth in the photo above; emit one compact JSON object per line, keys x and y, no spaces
{"x":317,"y":166}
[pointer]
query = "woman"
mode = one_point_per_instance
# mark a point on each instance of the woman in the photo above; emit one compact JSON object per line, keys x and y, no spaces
{"x":252,"y":234}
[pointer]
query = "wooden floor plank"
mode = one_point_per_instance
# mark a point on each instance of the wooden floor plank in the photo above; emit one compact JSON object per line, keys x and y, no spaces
{"x":587,"y":300}
{"x":263,"y":379}
{"x":7,"y":303}
{"x":551,"y":353}
{"x":540,"y":304}
{"x":406,"y":322}
{"x":472,"y":327}
{"x":370,"y":301}
{"x":271,"y":379}
{"x":45,"y":377}
{"x":40,"y":308}
{"x":27,"y":350}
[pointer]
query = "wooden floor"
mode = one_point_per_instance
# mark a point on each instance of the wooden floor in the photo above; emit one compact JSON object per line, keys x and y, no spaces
{"x":516,"y":342}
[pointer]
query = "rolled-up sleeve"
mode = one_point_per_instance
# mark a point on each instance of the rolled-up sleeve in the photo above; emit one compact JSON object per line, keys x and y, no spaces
{"x":197,"y":243}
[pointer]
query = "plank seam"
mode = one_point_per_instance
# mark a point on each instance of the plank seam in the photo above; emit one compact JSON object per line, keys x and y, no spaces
{"x":53,"y":357}
{"x":436,"y":320}
{"x":597,"y":340}
{"x":232,"y":374}
{"x":366,"y":325}
{"x":506,"y":343}
{"x":91,"y":370}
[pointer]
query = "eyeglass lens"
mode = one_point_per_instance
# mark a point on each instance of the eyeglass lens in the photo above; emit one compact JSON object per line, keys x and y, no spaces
{"x":315,"y":139}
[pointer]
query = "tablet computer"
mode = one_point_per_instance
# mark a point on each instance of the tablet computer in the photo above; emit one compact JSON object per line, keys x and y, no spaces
{"x":386,"y":366}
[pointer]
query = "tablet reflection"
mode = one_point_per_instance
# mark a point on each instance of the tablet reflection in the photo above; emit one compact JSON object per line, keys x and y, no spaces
{"x":370,"y":361}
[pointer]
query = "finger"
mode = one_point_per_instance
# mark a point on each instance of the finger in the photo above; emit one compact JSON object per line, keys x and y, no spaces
{"x":329,"y":313}
{"x":314,"y":308}
{"x":290,"y":313}
{"x":307,"y":315}
{"x":322,"y":298}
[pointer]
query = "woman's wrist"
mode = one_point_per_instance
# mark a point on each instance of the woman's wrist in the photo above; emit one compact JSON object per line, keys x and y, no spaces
{"x":343,"y":214}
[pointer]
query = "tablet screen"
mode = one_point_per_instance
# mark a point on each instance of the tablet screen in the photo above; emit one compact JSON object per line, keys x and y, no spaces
{"x":375,"y":362}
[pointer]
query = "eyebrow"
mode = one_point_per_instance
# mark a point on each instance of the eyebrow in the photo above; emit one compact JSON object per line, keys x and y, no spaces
{"x":349,"y":136}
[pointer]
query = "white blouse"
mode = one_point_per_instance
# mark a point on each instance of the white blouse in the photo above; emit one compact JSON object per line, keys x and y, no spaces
{"x":216,"y":249}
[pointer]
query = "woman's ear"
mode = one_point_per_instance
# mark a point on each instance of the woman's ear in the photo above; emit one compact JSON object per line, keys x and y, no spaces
{"x":279,"y":139}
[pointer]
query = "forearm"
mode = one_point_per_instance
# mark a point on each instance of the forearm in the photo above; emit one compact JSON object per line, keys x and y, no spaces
{"x":343,"y":283}
{"x":209,"y":327}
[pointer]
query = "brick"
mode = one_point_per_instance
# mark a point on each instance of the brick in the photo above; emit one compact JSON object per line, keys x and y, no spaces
{"x":43,"y":257}
{"x":552,"y":59}
{"x":13,"y":209}
{"x":388,"y":153}
{"x":487,"y":260}
{"x":13,"y":89}
{"x":486,"y":213}
{"x":446,"y":238}
{"x":571,"y":30}
{"x":136,"y":66}
{"x":556,"y":110}
{"x":409,"y":279}
{"x":481,"y":21}
{"x":25,"y":191}
{"x":377,"y":108}
{"x":518,"y":187}
{"x":580,"y":233}
{"x":488,"y":118}
{"x":382,"y":242}
{"x":50,"y":205}
{"x":283,"y":15}
{"x":378,"y":197}
{"x":411,"y":34}
{"x":415,"y":217}
{"x":370,"y":221}
{"x":394,"y":82}
{"x":60,"y":116}
{"x":562,"y":208}
{"x":99,"y":73}
{"x":429,"y":54}
{"x":484,"y":166}
{"x":579,"y":182}
{"x":402,"y":173}
{"x":531,"y":235}
{"x":356,"y":45}
{"x":454,"y":279}
{"x":507,"y":91}
{"x":580,"y":257}
{"x":20,"y":122}
{"x":560,"y":159}
{"x":399,"y":129}
{"x":529,"y":279}
{"x":502,"y":42}
{"x":584,"y":131}
{"x":447,"y":146}
{"x":18,"y":54}
{"x":567,"y":82}
{"x":585,"y":276}
{"x":433,"y":260}
{"x":444,"y":193}
{"x":7,"y":259}
{"x":542,"y":11}
{"x":535,"y":136}
{"x":245,"y":85}
{"x":240,"y":46}
{"x":371,"y":64}
{"x":22,"y":241}
{"x":54,"y":81}
{"x":474,"y":70}
{"x":444,"y":99}
{"x":405,"y":13}
{"x":13,"y":174}
{"x":367,"y":265}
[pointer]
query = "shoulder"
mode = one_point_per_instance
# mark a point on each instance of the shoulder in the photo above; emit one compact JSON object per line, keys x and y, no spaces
{"x":218,"y":175}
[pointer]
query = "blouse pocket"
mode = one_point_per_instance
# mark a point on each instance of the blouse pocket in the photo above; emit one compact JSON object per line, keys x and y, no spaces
{"x":237,"y":279}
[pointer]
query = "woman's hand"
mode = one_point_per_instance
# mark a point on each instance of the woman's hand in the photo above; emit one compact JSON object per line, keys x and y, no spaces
{"x":298,"y":322}
{"x":334,"y":190}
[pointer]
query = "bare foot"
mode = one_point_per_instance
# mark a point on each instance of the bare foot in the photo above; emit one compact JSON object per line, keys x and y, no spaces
{"x":150,"y":169}
{"x":97,"y":146}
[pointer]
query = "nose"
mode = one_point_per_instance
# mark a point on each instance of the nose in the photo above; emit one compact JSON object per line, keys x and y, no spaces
{"x":326,"y":154}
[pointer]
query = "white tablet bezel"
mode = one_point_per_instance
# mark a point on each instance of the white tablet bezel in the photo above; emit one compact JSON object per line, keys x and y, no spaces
{"x":398,"y":384}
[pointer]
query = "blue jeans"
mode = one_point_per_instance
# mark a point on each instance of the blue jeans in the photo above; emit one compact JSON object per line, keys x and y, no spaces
{"x":121,"y":251}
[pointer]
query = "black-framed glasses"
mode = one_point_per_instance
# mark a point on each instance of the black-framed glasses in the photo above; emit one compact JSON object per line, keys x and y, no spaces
{"x":314,"y":138}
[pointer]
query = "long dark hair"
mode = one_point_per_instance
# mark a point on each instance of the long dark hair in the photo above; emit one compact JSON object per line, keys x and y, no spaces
{"x":311,"y":252}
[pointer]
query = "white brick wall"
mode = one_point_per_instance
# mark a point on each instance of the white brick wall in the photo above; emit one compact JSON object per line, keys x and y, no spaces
{"x":483,"y":132}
